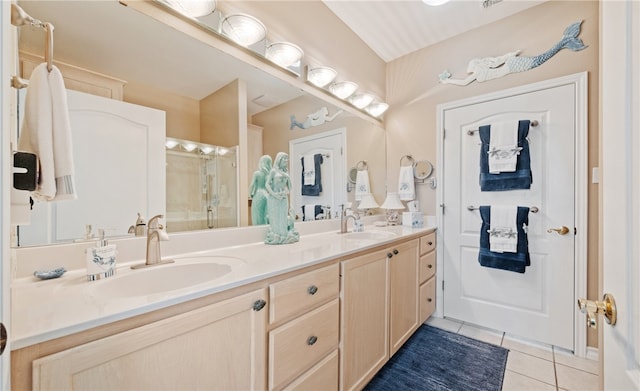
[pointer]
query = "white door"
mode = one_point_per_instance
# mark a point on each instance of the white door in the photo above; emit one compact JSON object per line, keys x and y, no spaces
{"x":7,"y":119}
{"x":539,"y":303}
{"x":620,"y":192}
{"x":113,"y":142}
{"x":331,"y":145}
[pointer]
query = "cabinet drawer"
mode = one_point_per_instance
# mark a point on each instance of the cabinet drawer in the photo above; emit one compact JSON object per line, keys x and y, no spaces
{"x":427,"y":299}
{"x":427,"y":266}
{"x":295,"y":346}
{"x":301,"y":293}
{"x":323,"y":376}
{"x":427,"y":243}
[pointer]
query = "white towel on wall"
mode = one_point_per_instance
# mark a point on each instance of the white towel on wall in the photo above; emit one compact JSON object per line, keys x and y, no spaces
{"x":503,"y":146}
{"x":503,"y":231}
{"x":406,"y":184}
{"x":309,"y":173}
{"x":362,"y":184}
{"x":46,"y":131}
{"x":309,"y":212}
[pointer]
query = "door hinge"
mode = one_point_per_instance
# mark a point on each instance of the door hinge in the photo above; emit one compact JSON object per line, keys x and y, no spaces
{"x":442,"y":206}
{"x":444,"y":133}
{"x":575,"y":231}
{"x":442,"y":284}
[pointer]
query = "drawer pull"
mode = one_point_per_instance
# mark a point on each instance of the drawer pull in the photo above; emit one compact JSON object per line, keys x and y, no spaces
{"x":312,"y":289}
{"x":389,"y":255}
{"x":429,"y":299}
{"x":430,"y":243}
{"x":312,"y":340}
{"x":430,"y":266}
{"x":259,"y":304}
{"x":395,"y":251}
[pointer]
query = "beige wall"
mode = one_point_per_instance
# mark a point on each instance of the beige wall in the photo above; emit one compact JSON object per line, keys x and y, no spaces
{"x":413,"y":91}
{"x":365,"y":141}
{"x":219,"y":116}
{"x":183,"y":114}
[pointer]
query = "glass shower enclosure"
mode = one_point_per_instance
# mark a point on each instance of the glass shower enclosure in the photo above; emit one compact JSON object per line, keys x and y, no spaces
{"x":202,"y":186}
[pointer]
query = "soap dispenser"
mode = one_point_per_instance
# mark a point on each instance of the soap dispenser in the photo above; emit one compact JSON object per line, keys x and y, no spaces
{"x":101,"y":259}
{"x":140,"y":228}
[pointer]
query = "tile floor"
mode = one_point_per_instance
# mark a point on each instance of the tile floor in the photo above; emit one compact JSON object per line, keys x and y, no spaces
{"x":532,"y":366}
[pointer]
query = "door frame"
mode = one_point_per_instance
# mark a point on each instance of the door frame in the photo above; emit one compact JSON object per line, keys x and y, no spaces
{"x":581,"y":186}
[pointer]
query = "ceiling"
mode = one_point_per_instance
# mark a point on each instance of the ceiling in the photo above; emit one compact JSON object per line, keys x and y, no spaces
{"x":394,"y":28}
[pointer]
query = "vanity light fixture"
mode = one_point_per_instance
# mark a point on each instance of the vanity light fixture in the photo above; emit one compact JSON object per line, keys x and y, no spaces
{"x":222,"y":151}
{"x":343,"y":89}
{"x":376,"y":109}
{"x":189,"y":147}
{"x":392,"y":204}
{"x":243,"y":29}
{"x":361,"y":99}
{"x":321,"y":76}
{"x":206,"y":150}
{"x":193,"y":8}
{"x":284,"y":54}
{"x":171,"y":143}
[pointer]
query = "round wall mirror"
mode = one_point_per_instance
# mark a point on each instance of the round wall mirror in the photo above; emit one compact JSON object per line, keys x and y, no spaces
{"x":353,"y":175}
{"x":422,"y":169}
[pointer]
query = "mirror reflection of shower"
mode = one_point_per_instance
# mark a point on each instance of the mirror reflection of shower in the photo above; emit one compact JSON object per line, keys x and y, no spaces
{"x":202,"y":186}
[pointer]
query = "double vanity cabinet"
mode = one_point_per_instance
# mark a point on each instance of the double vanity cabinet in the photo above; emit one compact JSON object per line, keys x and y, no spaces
{"x":328,"y":326}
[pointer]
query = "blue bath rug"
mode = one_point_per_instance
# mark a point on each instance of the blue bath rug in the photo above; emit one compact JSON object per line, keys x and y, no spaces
{"x":434,"y":359}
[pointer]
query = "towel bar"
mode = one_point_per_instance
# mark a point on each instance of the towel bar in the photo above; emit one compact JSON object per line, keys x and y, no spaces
{"x":533,"y":124}
{"x":361,"y":165}
{"x":533,"y":209}
{"x":409,"y":158}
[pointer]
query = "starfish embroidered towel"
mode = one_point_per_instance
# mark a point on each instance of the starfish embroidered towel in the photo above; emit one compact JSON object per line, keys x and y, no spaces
{"x":406,"y":184}
{"x":309,"y":171}
{"x":503,"y":147}
{"x":503,"y":231}
{"x":362,"y":184}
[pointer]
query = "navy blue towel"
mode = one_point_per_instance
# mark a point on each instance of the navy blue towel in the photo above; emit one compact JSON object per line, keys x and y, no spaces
{"x":521,"y":178}
{"x":313,"y":190}
{"x":515,"y":262}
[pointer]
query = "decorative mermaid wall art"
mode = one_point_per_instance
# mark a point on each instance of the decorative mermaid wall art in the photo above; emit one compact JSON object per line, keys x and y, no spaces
{"x":314,"y":119}
{"x":487,"y":68}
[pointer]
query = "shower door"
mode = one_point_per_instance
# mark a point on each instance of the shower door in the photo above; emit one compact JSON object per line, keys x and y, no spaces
{"x":538,"y":304}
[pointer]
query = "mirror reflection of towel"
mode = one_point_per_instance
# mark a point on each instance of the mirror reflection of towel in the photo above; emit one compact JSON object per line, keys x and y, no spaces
{"x":362,"y":184}
{"x":311,"y":211}
{"x":316,"y":188}
{"x":308,"y":170}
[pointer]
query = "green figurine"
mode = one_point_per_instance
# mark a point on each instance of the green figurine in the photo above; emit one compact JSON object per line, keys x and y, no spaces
{"x":278,"y":185}
{"x":258,"y":191}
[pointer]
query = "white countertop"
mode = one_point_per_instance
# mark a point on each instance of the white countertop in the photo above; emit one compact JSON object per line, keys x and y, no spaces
{"x":43,"y":310}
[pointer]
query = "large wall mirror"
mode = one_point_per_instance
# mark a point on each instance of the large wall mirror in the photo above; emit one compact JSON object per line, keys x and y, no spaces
{"x":163,"y":68}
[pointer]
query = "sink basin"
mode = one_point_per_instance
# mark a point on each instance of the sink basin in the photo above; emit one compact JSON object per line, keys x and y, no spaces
{"x":165,"y":278}
{"x":370,"y":235}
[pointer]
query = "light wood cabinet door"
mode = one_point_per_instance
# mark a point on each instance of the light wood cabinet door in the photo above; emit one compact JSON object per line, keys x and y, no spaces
{"x":323,"y":376}
{"x":364,"y":319}
{"x":403,"y":294}
{"x":218,"y":347}
{"x":427,"y":299}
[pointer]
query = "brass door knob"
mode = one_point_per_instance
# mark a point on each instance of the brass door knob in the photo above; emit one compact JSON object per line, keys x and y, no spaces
{"x":561,"y":231}
{"x":606,"y":307}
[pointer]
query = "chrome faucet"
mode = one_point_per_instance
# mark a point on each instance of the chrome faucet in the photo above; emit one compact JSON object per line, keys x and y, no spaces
{"x":155,"y":234}
{"x":344,"y":219}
